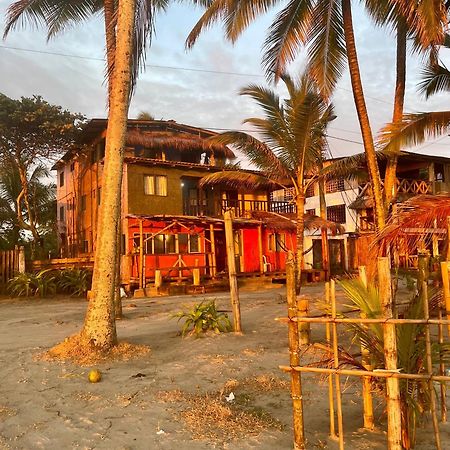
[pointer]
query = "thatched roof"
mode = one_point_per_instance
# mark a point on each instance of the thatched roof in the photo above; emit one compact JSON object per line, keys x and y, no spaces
{"x":286,"y":221}
{"x":416,"y":221}
{"x":363,"y":202}
{"x":239,"y":179}
{"x":176,"y":140}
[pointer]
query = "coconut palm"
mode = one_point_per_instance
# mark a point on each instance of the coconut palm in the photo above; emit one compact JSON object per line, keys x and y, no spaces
{"x":326,"y":27}
{"x":292,"y":140}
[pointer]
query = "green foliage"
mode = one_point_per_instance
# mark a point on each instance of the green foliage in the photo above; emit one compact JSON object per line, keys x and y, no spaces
{"x":202,"y":318}
{"x":75,"y":282}
{"x":41,"y":284}
{"x":414,"y":394}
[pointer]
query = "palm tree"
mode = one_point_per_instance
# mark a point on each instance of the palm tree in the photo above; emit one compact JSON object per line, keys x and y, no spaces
{"x":326,"y":27}
{"x":292,"y":140}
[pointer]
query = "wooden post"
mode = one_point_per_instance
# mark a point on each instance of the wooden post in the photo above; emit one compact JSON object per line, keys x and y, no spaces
{"x":141,"y":255}
{"x":196,"y":274}
{"x":260,"y":249}
{"x":234,"y":292}
{"x":390,"y":357}
{"x":426,"y":316}
{"x":330,"y":377}
{"x":158,"y":278}
{"x":213,"y":251}
{"x":337,"y":380}
{"x":294,"y":356}
{"x":445,"y":265}
{"x":304,"y":327}
{"x":21,"y":268}
{"x":442,"y":370}
{"x":365,"y":357}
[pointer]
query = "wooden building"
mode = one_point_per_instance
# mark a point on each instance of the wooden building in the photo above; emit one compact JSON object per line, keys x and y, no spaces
{"x":168,"y":222}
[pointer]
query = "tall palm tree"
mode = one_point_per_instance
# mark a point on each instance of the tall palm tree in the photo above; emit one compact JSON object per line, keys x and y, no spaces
{"x":292,"y":140}
{"x":326,"y":27}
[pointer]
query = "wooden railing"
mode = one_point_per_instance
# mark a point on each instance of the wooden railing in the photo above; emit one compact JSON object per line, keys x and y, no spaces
{"x":241,"y":208}
{"x":408,"y":186}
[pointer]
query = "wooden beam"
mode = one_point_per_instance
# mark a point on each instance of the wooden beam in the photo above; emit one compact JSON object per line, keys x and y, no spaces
{"x":234,"y":292}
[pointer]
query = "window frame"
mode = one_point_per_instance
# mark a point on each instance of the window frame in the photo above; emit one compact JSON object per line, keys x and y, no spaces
{"x":154,"y":178}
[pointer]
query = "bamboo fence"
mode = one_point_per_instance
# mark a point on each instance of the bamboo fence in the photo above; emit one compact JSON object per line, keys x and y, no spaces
{"x":391,"y":373}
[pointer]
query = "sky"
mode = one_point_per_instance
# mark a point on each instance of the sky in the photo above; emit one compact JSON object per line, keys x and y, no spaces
{"x":185,"y":85}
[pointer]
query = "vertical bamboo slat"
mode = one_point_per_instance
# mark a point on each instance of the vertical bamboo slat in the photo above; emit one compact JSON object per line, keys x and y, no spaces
{"x":330,"y":377}
{"x":337,"y":380}
{"x":390,"y":357}
{"x":366,"y":381}
{"x":446,"y":289}
{"x":234,"y":292}
{"x":442,"y":371}
{"x":294,"y":357}
{"x":426,"y":316}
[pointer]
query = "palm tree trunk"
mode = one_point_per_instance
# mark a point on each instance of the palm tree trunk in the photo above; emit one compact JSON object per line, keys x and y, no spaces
{"x":390,"y":177}
{"x":363,"y":117}
{"x":99,"y":326}
{"x":110,"y":34}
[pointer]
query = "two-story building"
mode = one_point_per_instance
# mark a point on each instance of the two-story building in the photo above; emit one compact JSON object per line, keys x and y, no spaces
{"x":167,"y":221}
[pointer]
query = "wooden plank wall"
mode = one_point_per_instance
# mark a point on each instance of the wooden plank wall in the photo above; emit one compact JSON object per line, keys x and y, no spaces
{"x":9,"y":265}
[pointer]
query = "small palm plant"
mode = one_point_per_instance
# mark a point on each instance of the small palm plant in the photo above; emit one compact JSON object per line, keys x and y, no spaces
{"x":202,"y":318}
{"x":41,"y":284}
{"x":75,"y":282}
{"x":414,"y":394}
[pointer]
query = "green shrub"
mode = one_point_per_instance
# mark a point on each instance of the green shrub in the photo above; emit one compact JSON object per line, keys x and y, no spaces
{"x":41,"y":284}
{"x":75,"y":282}
{"x":202,"y":318}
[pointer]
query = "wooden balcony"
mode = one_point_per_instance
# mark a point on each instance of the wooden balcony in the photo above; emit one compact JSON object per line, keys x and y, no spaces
{"x":414,"y":187}
{"x":242,"y":208}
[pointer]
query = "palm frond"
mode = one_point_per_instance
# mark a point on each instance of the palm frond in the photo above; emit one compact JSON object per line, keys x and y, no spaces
{"x":239,"y":179}
{"x":413,"y":129}
{"x":287,"y":34}
{"x":326,"y":48}
{"x":435,"y":78}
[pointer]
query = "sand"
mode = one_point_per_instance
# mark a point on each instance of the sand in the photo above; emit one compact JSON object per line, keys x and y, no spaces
{"x":174,"y":396}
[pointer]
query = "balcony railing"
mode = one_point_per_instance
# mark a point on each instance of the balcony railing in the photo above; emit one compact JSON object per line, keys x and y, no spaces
{"x":407,"y":186}
{"x":242,"y":208}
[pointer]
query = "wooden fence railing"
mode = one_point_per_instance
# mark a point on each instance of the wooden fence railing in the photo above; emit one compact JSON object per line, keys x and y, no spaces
{"x":11,"y":262}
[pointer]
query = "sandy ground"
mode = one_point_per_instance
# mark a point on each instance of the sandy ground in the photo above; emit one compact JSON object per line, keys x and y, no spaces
{"x":52,"y":405}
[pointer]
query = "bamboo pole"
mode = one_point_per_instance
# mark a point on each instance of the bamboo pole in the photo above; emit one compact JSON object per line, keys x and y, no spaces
{"x":234,"y":292}
{"x":260,"y":249}
{"x":446,"y":289}
{"x":304,"y":328}
{"x":390,"y":357}
{"x":213,"y":250}
{"x":366,"y":381}
{"x":294,"y":357}
{"x":323,"y":319}
{"x":337,"y":380}
{"x":429,"y":363}
{"x":442,"y":371}
{"x":330,"y":377}
{"x":141,"y":255}
{"x":158,"y":278}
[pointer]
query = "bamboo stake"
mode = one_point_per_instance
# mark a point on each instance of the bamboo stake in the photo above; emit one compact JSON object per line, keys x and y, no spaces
{"x":390,"y":358}
{"x":366,"y":381}
{"x":330,"y":377}
{"x":442,"y":371}
{"x":294,"y":357}
{"x":337,"y":380}
{"x":304,"y":328}
{"x":429,"y":363}
{"x":234,"y":292}
{"x":446,"y":289}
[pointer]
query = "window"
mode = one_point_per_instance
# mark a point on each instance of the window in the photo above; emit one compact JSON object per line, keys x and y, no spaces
{"x":311,"y":212}
{"x":83,"y":203}
{"x":61,"y":179}
{"x":61,"y":213}
{"x":155,"y":185}
{"x":310,"y":191}
{"x":335,"y":186}
{"x":336,"y":213}
{"x":163,"y":244}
